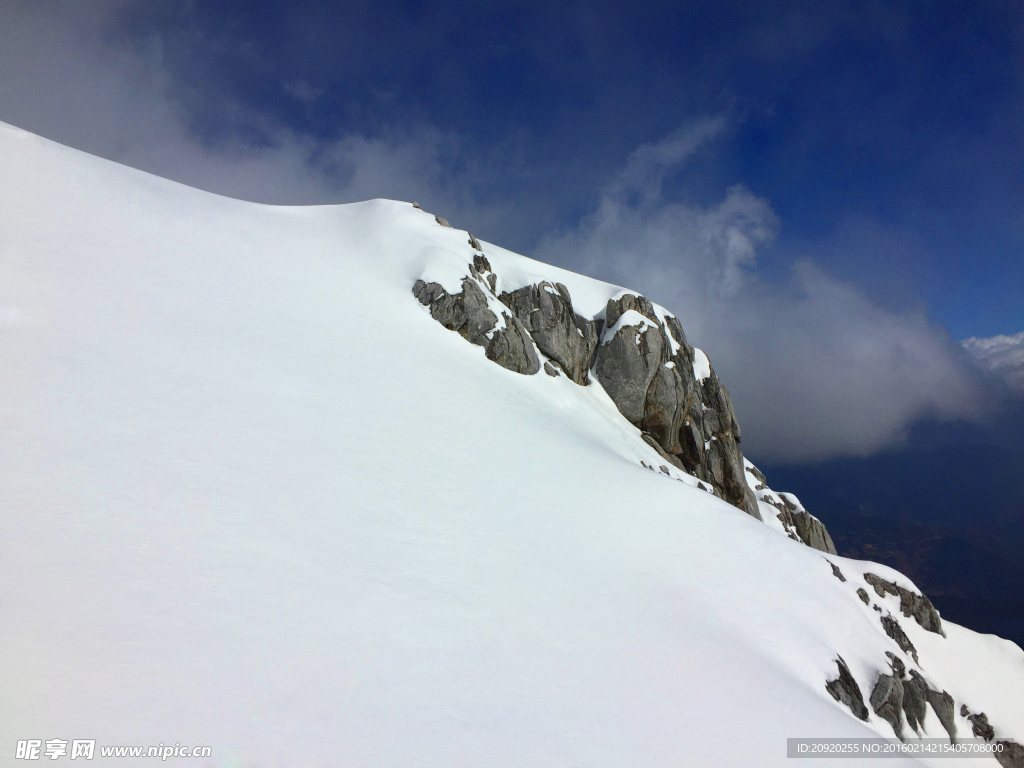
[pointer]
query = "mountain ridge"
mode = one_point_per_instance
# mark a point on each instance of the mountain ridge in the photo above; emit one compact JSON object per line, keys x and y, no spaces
{"x":259,"y":499}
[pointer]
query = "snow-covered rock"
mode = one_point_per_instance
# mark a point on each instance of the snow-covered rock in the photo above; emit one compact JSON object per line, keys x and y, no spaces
{"x":256,"y":497}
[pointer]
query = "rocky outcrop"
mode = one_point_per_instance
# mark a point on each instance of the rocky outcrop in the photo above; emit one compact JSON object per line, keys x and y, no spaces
{"x":469,"y":313}
{"x":911,"y":603}
{"x":565,"y":336}
{"x":979,"y":723}
{"x":845,"y":690}
{"x":895,"y":696}
{"x":895,"y":632}
{"x":1010,"y":754}
{"x":863,"y":595}
{"x":647,"y":367}
{"x":811,"y":530}
{"x":887,"y":701}
{"x":641,"y":357}
{"x":942,"y":703}
{"x":915,"y":700}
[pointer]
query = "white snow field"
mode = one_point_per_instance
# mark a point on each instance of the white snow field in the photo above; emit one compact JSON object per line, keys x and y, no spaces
{"x":254,"y":497}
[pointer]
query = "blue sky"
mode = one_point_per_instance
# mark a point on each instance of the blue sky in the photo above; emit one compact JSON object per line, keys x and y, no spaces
{"x":905,"y":119}
{"x":854,"y":170}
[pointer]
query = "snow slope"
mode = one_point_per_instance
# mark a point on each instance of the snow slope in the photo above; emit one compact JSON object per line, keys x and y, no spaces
{"x":255,"y":498}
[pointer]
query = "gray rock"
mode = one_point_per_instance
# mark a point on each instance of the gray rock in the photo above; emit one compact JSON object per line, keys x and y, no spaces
{"x":911,"y":603}
{"x":734,"y":485}
{"x":480,"y":268}
{"x":887,"y":702}
{"x":626,"y":364}
{"x":442,"y":222}
{"x":1011,"y":755}
{"x":474,"y":242}
{"x":480,"y":263}
{"x":468,"y":314}
{"x":917,"y":695}
{"x":616,"y":308}
{"x":648,"y":373}
{"x":812,"y":531}
{"x":915,"y":701}
{"x":845,"y":690}
{"x":676,"y":330}
{"x":895,"y":632}
{"x":671,"y":459}
{"x":942,"y":703}
{"x":981,"y":727}
{"x":758,"y":475}
{"x":899,"y":669}
{"x":646,"y":369}
{"x":416,"y":205}
{"x":663,"y":415}
{"x":835,"y":571}
{"x":863,"y":595}
{"x":513,"y":348}
{"x":427,"y":293}
{"x":563,"y":335}
{"x":549,"y":369}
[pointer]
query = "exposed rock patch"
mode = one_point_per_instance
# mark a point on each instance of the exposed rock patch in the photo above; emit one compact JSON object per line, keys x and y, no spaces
{"x":468,"y":313}
{"x":647,"y":367}
{"x":979,"y":724}
{"x":1012,"y":754}
{"x":863,"y":595}
{"x":887,"y":702}
{"x":810,"y":529}
{"x":641,"y":357}
{"x":561,"y":334}
{"x":845,"y":690}
{"x":915,"y":701}
{"x":895,"y":632}
{"x":942,"y":703}
{"x":911,"y":603}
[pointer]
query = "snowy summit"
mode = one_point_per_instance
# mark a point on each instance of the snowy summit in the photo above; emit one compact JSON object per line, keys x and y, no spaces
{"x":347,"y":486}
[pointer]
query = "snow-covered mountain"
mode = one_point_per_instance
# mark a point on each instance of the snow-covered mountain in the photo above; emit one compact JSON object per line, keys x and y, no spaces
{"x":1001,"y":355}
{"x":343,"y":485}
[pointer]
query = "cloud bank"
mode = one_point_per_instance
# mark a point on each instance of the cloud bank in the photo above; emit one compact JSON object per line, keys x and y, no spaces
{"x":816,"y":368}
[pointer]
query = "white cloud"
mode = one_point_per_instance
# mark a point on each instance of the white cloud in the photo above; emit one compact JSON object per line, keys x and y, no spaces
{"x":1002,"y":356}
{"x":815,"y":367}
{"x":66,"y":80}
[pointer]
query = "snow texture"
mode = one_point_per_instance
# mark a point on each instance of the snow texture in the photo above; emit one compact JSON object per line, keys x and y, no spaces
{"x":256,"y":498}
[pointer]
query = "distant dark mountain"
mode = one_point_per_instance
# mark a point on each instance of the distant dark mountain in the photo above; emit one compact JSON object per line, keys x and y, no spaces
{"x":966,"y":487}
{"x":950,"y":518}
{"x":975,"y":579}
